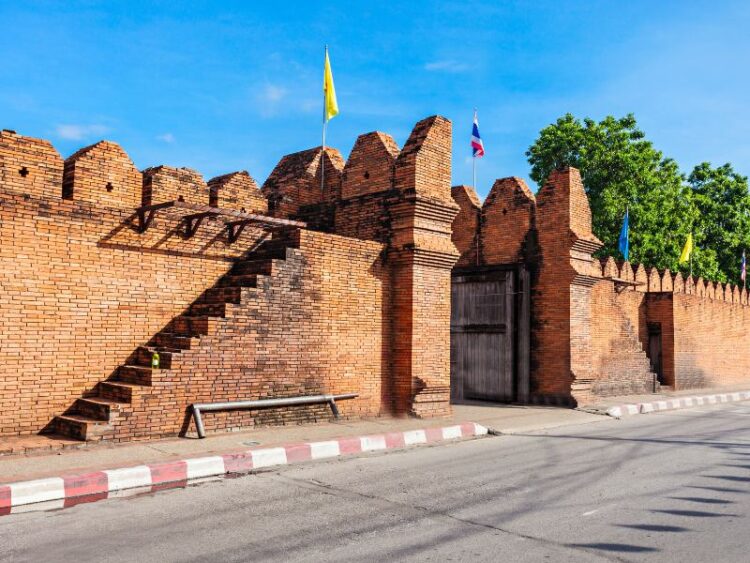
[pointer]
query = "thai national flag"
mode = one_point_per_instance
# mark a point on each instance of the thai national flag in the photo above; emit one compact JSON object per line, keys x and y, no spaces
{"x":476,"y":142}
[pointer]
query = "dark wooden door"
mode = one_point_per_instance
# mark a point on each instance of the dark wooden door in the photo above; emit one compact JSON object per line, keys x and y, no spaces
{"x":654,"y":350}
{"x":482,"y":336}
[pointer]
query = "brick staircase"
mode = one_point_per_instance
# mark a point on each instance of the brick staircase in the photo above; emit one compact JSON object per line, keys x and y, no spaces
{"x":628,"y":367}
{"x":96,"y":416}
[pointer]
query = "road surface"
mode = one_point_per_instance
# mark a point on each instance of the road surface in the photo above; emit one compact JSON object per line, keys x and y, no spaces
{"x":659,"y":487}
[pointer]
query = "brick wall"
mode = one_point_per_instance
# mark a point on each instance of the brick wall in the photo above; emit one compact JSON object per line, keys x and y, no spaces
{"x":465,"y":229}
{"x":586,"y":334}
{"x":296,"y":181}
{"x":86,"y":296}
{"x":507,"y":223}
{"x":710,"y":341}
{"x":103,"y":174}
{"x":316,"y":322}
{"x":237,"y":191}
{"x":85,"y":290}
{"x":166,"y":183}
{"x":80,"y":289}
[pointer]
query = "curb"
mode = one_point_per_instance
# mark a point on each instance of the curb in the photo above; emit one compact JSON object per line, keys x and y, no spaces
{"x":70,"y":490}
{"x":673,"y":404}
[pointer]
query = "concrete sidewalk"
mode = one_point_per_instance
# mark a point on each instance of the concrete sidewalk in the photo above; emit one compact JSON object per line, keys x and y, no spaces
{"x":96,"y":457}
{"x":640,"y":404}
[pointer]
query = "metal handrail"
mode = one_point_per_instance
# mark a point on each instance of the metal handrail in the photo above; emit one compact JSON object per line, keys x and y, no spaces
{"x":197,"y":408}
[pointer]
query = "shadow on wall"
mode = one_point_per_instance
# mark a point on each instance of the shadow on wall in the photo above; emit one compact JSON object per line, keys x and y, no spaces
{"x":169,"y":236}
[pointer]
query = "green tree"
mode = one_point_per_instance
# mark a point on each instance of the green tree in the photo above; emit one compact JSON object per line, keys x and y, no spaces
{"x":621,"y":169}
{"x":723,"y":226}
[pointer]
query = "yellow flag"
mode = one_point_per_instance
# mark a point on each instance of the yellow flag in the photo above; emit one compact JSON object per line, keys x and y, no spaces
{"x":687,"y":249}
{"x":329,"y":92}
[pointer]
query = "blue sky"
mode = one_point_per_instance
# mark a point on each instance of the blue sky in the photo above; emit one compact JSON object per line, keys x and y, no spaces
{"x":223,"y":86}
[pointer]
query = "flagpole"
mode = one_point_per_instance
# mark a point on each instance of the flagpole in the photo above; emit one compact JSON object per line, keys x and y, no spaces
{"x":474,"y":172}
{"x":692,"y":246}
{"x":323,"y":151}
{"x":474,"y":162}
{"x":627,"y":214}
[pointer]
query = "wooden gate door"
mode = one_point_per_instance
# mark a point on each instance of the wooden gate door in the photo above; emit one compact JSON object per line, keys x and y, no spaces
{"x":482,"y":336}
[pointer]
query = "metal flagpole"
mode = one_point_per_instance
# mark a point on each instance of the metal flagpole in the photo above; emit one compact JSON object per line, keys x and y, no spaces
{"x":474,"y":161}
{"x":325,"y":124}
{"x":474,"y":185}
{"x":479,"y":225}
{"x":474,"y":172}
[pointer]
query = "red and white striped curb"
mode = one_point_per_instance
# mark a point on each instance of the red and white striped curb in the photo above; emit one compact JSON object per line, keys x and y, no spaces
{"x":66,"y":491}
{"x":678,"y":403}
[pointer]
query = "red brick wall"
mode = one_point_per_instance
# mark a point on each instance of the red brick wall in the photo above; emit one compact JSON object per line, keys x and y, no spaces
{"x":619,"y":360}
{"x":296,"y":181}
{"x":369,"y":168}
{"x":702,"y":337}
{"x":507,"y":221}
{"x":103,"y":174}
{"x":659,"y":309}
{"x":166,"y":183}
{"x":423,"y":255}
{"x":237,"y":191}
{"x":465,"y":229}
{"x":79,"y":290}
{"x":30,"y":165}
{"x":711,"y":336}
{"x":318,"y":323}
{"x":86,"y":289}
{"x":561,"y":293}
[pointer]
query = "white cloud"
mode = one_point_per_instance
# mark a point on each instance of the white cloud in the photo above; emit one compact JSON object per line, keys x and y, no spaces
{"x":272,"y":93}
{"x":446,"y":66}
{"x":75,"y":132}
{"x":269,"y":99}
{"x":166,"y":137}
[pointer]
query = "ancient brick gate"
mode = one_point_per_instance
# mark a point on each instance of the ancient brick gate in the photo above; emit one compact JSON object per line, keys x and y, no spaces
{"x":490,"y":334}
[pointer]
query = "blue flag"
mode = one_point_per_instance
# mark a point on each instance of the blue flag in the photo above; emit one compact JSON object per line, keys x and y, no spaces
{"x":623,"y":243}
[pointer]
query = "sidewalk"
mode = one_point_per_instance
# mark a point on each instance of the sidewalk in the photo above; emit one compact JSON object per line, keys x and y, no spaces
{"x":102,"y":456}
{"x":624,"y":405}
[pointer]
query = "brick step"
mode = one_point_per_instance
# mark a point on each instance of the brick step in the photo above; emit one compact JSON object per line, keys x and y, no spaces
{"x":222,"y":295}
{"x":273,"y":249}
{"x":630,"y":359}
{"x":194,"y":326}
{"x":247,"y":280}
{"x":139,"y":375}
{"x":119,"y":391}
{"x":174,"y":341}
{"x":208,"y":310}
{"x":82,"y":428}
{"x":263,"y":266}
{"x":144,"y":354}
{"x":97,"y":408}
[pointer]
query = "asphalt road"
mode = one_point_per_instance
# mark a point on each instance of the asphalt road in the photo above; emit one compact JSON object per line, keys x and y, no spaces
{"x":658,"y":487}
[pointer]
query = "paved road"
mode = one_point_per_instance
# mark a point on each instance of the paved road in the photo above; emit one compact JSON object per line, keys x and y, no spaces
{"x":659,"y":487}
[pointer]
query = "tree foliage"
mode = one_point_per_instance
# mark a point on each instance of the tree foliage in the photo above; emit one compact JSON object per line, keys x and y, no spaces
{"x":621,"y":169}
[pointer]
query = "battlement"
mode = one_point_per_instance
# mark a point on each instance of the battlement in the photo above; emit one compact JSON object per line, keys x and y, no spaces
{"x":238,"y":191}
{"x":103,"y":174}
{"x":375,"y":165}
{"x":653,"y":280}
{"x":29,"y":165}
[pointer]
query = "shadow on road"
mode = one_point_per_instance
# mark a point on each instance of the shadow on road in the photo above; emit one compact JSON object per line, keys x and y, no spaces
{"x":704,"y":500}
{"x":619,"y":547}
{"x":694,"y":513}
{"x":654,"y":527}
